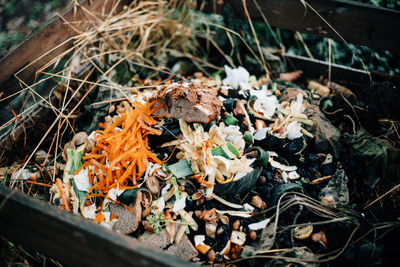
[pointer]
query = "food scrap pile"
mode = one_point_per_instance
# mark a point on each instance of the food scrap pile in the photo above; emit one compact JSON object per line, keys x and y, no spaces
{"x":228,"y":170}
{"x":216,"y":170}
{"x":146,"y":133}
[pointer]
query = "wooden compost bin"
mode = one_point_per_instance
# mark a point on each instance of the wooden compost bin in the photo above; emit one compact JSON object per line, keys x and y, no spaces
{"x":74,"y":241}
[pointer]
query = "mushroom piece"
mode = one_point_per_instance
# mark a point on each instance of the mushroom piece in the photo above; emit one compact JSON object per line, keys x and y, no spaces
{"x":257,"y":202}
{"x":152,"y":184}
{"x":79,"y":138}
{"x":40,"y":156}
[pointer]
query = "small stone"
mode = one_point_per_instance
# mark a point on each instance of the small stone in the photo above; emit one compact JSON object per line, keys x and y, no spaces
{"x":253,"y":235}
{"x":261,"y":180}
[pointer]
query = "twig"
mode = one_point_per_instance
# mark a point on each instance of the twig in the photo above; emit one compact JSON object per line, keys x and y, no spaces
{"x":379,"y":198}
{"x":255,"y":37}
{"x":318,"y":180}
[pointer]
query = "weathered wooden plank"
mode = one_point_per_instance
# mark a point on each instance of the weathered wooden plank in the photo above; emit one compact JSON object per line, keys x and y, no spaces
{"x":357,"y":23}
{"x":49,"y":37}
{"x":70,"y":239}
{"x":313,"y":68}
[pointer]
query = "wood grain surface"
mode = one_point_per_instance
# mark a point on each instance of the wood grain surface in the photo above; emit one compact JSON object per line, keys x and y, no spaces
{"x":357,"y":23}
{"x":70,"y":239}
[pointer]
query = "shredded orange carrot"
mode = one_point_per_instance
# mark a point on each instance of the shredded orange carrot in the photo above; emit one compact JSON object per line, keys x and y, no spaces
{"x":37,"y":183}
{"x":122,"y":151}
{"x":113,"y":216}
{"x":62,"y":194}
{"x":99,"y":218}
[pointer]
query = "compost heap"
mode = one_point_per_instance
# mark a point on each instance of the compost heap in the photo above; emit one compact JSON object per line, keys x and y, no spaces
{"x":221,"y":167}
{"x":196,"y":167}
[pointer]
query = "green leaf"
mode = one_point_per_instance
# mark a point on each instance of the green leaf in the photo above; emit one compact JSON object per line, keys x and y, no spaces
{"x":77,"y":162}
{"x":244,"y":184}
{"x":181,"y":169}
{"x":80,"y":194}
{"x":129,"y":196}
{"x":327,"y":103}
{"x":219,"y":151}
{"x":233,"y":149}
{"x":262,"y":156}
{"x":230,"y":120}
{"x":177,"y":192}
{"x":248,"y":138}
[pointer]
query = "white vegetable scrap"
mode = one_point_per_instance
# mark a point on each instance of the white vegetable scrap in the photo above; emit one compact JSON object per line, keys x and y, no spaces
{"x":238,"y":238}
{"x":158,"y":206}
{"x":236,"y":167}
{"x":233,"y":135}
{"x":138,"y":98}
{"x":294,"y":130}
{"x":197,"y":150}
{"x":297,"y":107}
{"x":89,"y":212}
{"x":261,"y":134}
{"x":248,"y":207}
{"x":260,"y":225}
{"x":114,"y":193}
{"x":285,"y":177}
{"x":243,"y":214}
{"x":236,"y":77}
{"x":265,"y":103}
{"x":165,"y":189}
{"x":23,"y":174}
{"x":293,"y":175}
{"x":82,"y":180}
{"x":150,"y":169}
{"x":280,"y":166}
{"x":179,"y":204}
{"x":328,"y":159}
{"x":245,"y":168}
{"x":260,"y":94}
{"x":199,"y":239}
